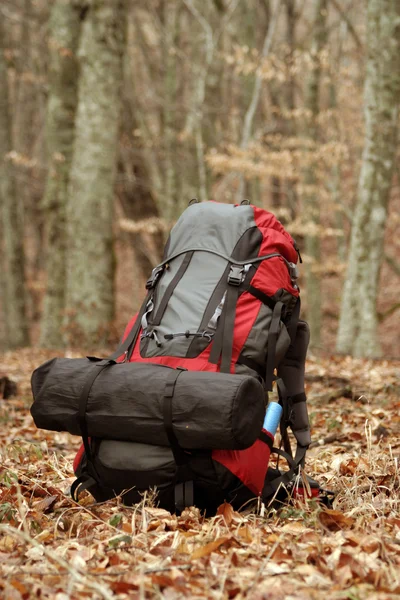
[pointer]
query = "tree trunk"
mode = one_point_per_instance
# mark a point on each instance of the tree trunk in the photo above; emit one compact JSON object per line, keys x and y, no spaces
{"x":358,"y":317}
{"x":311,"y":200}
{"x":136,"y":196}
{"x":64,"y":27}
{"x":17,"y":333}
{"x":90,"y":259}
{"x":169,"y":17}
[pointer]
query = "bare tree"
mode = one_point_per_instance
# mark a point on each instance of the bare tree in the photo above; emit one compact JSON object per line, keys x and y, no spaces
{"x":13,"y":258}
{"x":311,"y":201}
{"x":90,"y":207}
{"x":64,"y":28}
{"x":358,"y":317}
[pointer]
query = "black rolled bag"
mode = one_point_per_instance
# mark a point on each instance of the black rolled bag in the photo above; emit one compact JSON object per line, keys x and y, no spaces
{"x":148,"y":403}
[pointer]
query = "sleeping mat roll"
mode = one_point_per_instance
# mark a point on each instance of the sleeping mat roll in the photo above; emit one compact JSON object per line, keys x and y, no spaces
{"x":127,"y":402}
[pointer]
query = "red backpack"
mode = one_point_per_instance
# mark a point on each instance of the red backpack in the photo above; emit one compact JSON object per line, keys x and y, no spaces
{"x":222,"y":313}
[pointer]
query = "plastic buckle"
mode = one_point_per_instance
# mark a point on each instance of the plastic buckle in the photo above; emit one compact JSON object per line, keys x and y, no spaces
{"x":293,"y":272}
{"x":154,"y":277}
{"x":235,"y":275}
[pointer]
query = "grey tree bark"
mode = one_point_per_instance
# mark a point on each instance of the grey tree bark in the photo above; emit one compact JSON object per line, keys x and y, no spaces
{"x":310,"y":199}
{"x":64,"y":28}
{"x":358,"y":322}
{"x":13,"y":260}
{"x":90,"y":259}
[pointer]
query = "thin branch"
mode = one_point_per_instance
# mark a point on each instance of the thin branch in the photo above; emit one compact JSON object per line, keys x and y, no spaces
{"x":392,"y":264}
{"x":349,"y":24}
{"x":248,"y":120}
{"x":251,"y":111}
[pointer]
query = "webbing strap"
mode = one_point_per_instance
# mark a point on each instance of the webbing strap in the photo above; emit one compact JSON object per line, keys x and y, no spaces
{"x":267,"y":300}
{"x":223,"y":338}
{"x":252,"y":364}
{"x":266,"y":439}
{"x":184,"y":495}
{"x":294,"y":319}
{"x":179,"y":455}
{"x":271,"y":348}
{"x":83,"y":399}
{"x":128,"y":344}
{"x":170,"y":289}
{"x":229,"y":326}
{"x":84,"y":482}
{"x":286,"y":478}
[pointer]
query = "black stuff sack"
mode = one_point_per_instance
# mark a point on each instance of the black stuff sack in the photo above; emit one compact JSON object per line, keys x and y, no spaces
{"x":146,"y":403}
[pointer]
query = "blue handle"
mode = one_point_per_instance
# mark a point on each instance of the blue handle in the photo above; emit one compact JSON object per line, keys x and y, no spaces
{"x":272,"y":417}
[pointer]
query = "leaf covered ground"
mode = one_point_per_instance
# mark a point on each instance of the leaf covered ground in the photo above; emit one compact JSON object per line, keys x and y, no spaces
{"x":52,"y":547}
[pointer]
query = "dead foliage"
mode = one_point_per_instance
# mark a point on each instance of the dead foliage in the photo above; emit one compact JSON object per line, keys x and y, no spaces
{"x":51,"y":547}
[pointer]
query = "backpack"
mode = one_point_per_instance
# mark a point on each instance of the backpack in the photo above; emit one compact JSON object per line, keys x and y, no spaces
{"x":224,"y":303}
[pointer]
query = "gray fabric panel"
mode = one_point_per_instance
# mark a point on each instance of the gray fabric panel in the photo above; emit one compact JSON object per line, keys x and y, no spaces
{"x":209,"y":410}
{"x":131,"y":456}
{"x":200,"y":227}
{"x":125,"y":465}
{"x":188,"y":303}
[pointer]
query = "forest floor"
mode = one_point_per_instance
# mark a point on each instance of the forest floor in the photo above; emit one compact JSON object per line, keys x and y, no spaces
{"x":52,"y":547}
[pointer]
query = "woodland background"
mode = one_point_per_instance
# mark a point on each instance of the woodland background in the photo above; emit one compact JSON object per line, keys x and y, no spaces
{"x":114,"y":114}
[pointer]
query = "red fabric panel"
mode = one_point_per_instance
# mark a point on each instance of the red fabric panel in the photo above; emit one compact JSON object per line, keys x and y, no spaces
{"x":300,"y":492}
{"x":250,"y":465}
{"x":247,"y":309}
{"x":273,"y":274}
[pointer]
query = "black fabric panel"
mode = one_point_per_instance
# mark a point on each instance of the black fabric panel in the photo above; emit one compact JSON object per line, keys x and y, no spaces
{"x":248,"y":245}
{"x":210,"y":410}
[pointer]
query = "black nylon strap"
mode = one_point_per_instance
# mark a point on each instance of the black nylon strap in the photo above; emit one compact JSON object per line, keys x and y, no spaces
{"x":294,"y":319}
{"x":83,"y":399}
{"x":266,"y":439}
{"x":216,"y":347}
{"x":223,"y":338}
{"x":298,"y":398}
{"x":184,"y":495}
{"x":128,"y":344}
{"x":229,"y":326}
{"x":170,"y":289}
{"x":286,"y":478}
{"x":261,"y":296}
{"x":179,"y":455}
{"x":252,"y":364}
{"x":84,"y":482}
{"x":271,"y":349}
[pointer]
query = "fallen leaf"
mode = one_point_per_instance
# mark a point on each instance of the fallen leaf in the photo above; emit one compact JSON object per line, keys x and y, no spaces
{"x":46,"y":504}
{"x":335,"y":520}
{"x":226,"y":511}
{"x":210,"y":548}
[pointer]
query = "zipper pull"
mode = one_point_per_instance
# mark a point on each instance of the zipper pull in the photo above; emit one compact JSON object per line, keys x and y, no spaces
{"x":298,"y":251}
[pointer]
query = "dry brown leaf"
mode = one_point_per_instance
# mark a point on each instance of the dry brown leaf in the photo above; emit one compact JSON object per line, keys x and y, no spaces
{"x":226,"y":511}
{"x":335,"y":520}
{"x":245,"y":534}
{"x":210,"y":547}
{"x":7,"y":543}
{"x":46,"y":504}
